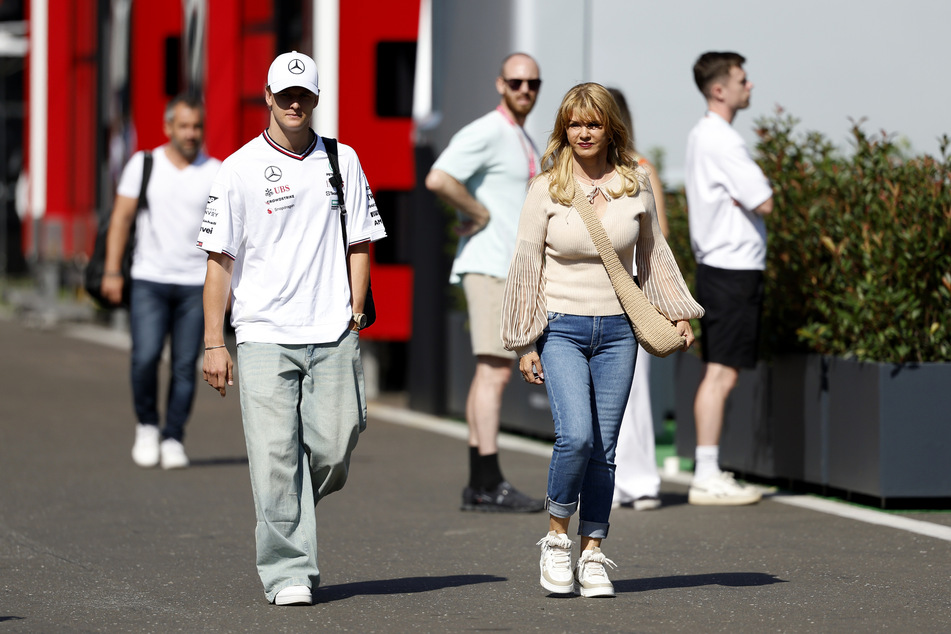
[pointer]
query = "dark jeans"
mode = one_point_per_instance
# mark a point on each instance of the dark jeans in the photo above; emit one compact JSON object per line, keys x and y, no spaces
{"x":159,"y":310}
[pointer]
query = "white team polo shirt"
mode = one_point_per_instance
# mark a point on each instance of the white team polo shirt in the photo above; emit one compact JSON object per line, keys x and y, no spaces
{"x":275,"y":213}
{"x":724,"y":185}
{"x":165,"y":230}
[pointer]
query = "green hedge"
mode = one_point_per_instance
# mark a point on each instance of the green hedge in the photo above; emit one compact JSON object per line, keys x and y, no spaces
{"x":859,"y":260}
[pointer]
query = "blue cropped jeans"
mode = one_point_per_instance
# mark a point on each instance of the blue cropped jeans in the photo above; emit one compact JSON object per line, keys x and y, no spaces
{"x":589,"y":365}
{"x":159,"y":311}
{"x":303,"y":408}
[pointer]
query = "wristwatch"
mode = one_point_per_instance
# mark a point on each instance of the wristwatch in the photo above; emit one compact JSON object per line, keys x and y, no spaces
{"x":360,"y":320}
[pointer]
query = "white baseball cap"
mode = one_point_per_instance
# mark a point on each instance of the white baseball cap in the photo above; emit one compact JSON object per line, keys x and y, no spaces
{"x":292,"y":69}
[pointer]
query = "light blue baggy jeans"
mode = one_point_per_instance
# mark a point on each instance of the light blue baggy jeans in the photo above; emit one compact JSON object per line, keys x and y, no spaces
{"x":589,"y":365}
{"x":302,"y":406}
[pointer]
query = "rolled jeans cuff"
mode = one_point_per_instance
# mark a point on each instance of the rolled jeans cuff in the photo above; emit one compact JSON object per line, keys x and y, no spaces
{"x":557,"y":509}
{"x":594,"y":530}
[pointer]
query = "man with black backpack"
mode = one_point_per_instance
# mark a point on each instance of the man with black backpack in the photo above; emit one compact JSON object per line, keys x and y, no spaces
{"x":288,"y":225}
{"x":159,"y":205}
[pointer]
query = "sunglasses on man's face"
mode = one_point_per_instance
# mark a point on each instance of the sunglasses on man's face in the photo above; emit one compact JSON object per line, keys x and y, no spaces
{"x":515,"y":84}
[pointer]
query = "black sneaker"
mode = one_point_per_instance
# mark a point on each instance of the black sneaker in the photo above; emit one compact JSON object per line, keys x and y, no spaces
{"x":503,"y":499}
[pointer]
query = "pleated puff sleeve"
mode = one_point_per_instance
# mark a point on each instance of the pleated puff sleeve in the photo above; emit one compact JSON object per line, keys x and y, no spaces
{"x":524,"y":315}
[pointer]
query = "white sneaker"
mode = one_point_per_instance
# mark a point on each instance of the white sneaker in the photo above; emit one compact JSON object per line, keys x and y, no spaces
{"x":555,"y":563}
{"x":173,"y":454}
{"x":647,"y":503}
{"x":643,"y":503}
{"x":722,"y":489}
{"x":294,"y":595}
{"x":591,"y":576}
{"x":145,"y":451}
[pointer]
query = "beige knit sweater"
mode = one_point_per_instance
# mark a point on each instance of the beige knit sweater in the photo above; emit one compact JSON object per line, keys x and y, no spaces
{"x":556,"y":266}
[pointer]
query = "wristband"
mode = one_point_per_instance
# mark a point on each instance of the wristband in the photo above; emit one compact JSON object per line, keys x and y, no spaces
{"x":213,"y":348}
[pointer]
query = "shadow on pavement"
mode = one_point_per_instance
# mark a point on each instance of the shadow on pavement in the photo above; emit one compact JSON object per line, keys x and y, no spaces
{"x":406,"y":585}
{"x":732,"y":579}
{"x":219,"y":462}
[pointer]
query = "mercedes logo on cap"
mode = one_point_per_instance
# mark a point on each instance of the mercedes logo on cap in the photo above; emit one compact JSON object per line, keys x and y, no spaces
{"x":296,"y":66}
{"x":272,"y":173}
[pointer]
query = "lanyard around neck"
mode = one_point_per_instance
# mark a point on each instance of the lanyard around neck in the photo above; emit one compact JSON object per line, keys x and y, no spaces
{"x":527,"y":146}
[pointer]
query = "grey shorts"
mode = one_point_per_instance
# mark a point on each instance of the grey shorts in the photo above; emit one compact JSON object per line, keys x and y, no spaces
{"x":484,"y":297}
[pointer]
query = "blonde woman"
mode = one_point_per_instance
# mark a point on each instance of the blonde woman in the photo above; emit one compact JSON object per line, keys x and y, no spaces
{"x":562,"y":317}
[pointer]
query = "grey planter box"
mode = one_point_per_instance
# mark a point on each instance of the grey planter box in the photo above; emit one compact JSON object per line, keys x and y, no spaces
{"x":889,"y":429}
{"x":746,"y":443}
{"x":525,"y":407}
{"x":774,"y":424}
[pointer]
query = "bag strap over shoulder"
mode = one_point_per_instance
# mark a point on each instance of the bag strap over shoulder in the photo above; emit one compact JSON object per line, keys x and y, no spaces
{"x":143,"y":201}
{"x":654,"y":332}
{"x":330,"y":146}
{"x":336,"y":180}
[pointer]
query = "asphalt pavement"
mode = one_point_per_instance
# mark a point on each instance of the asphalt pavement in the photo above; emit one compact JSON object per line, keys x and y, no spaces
{"x":91,"y":543}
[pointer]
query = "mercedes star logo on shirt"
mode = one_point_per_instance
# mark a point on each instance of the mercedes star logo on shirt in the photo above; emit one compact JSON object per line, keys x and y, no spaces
{"x":296,"y":66}
{"x":272,"y":173}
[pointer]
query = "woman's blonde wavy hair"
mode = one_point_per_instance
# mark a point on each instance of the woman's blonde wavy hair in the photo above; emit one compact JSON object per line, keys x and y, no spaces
{"x":589,"y":102}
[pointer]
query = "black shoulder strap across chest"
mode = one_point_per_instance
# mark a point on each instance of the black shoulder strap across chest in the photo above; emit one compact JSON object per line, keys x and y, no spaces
{"x":336,"y":180}
{"x":143,"y":202}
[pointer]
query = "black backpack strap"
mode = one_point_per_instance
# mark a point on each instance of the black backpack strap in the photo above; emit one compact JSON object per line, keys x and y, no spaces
{"x":143,"y":201}
{"x":336,"y":180}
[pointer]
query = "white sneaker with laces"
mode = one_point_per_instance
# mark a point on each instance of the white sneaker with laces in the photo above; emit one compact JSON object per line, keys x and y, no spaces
{"x":647,"y":503}
{"x":173,"y":454}
{"x":294,"y":595}
{"x":591,"y":576}
{"x":145,"y":451}
{"x":555,"y":563}
{"x":722,"y":489}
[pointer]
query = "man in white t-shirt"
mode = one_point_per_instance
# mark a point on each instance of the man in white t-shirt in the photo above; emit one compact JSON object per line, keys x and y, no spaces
{"x":167,"y":276}
{"x":484,"y":174}
{"x":727,"y":198}
{"x":275,"y":242}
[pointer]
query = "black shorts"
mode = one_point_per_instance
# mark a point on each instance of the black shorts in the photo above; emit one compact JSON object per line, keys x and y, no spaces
{"x":733,"y":304}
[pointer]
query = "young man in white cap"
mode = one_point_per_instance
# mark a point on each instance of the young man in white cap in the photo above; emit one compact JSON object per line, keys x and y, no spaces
{"x":274,"y":237}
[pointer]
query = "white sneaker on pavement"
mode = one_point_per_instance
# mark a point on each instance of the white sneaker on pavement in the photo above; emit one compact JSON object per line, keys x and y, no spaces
{"x":647,"y":503}
{"x":643,"y":503}
{"x":145,"y":451}
{"x":173,"y":454}
{"x":294,"y":595}
{"x":555,"y":563}
{"x":591,"y":576}
{"x":722,"y":489}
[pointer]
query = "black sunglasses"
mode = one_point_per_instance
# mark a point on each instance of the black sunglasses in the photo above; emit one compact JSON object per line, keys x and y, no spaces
{"x":515,"y":84}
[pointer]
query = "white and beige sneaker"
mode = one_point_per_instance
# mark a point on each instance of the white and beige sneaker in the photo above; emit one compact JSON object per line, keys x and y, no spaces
{"x":555,"y":563}
{"x":591,"y":576}
{"x":722,"y":490}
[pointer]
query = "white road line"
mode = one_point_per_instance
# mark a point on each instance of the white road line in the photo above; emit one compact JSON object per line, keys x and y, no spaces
{"x":459,"y":431}
{"x":437,"y":425}
{"x":869,"y":516}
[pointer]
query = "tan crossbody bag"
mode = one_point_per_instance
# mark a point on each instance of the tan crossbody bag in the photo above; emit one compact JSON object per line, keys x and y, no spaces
{"x":654,"y":332}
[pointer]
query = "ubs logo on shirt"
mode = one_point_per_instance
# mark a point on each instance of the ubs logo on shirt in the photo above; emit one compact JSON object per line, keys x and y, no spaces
{"x":270,"y":192}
